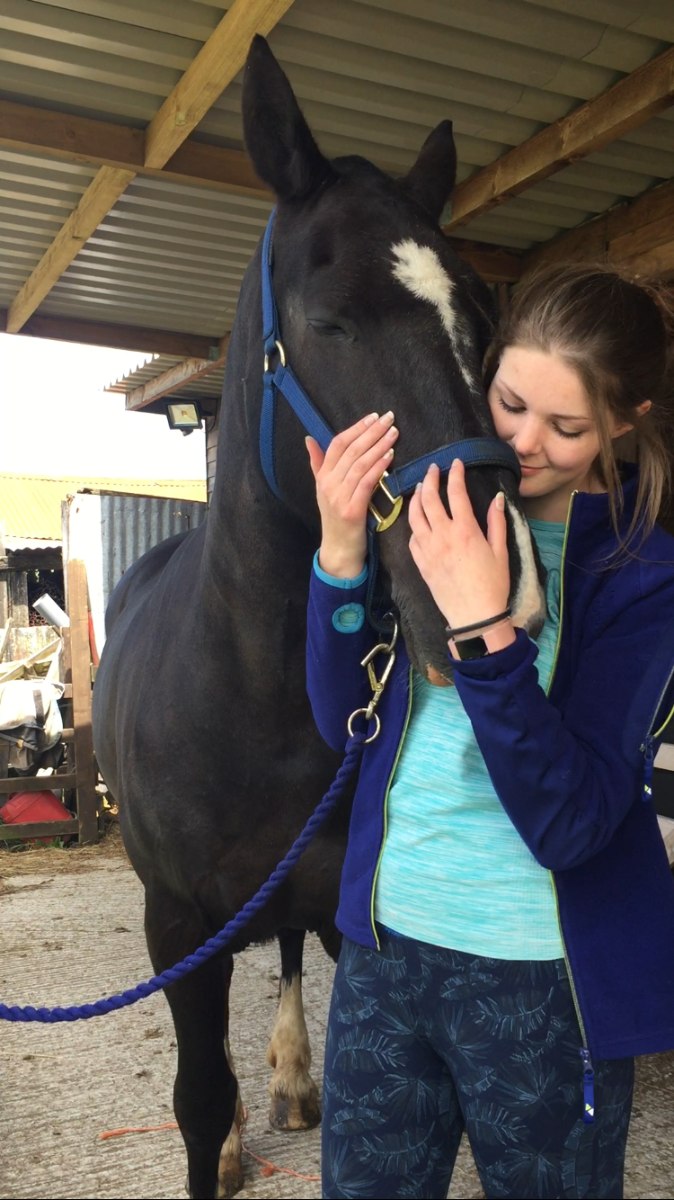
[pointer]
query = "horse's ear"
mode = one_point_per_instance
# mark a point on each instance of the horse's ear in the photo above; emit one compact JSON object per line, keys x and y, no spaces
{"x":433,"y":175}
{"x":276,"y":134}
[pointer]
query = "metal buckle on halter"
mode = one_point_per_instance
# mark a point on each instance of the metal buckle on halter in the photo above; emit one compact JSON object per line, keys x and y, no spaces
{"x":281,"y":353}
{"x":396,"y":503}
{"x":377,"y":685}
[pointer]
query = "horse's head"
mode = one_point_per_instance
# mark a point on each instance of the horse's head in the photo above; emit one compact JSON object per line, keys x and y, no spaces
{"x":377,"y":312}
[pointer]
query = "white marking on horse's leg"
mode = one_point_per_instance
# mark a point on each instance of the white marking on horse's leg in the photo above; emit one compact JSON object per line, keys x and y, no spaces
{"x":419,"y":269}
{"x":528,"y":604}
{"x":230,"y":1168}
{"x":294,"y":1095}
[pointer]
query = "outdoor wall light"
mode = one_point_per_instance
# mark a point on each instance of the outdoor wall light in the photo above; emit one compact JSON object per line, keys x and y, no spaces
{"x":184,"y":416}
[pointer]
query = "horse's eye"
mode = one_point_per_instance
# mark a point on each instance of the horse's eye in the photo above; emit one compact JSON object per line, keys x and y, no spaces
{"x":327,"y":328}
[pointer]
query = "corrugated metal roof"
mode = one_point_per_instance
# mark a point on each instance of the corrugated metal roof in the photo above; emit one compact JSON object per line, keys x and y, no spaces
{"x":373,"y":77}
{"x":30,"y":505}
{"x":205,"y":387}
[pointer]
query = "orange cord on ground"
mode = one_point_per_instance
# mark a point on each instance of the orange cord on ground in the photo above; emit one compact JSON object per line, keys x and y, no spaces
{"x":268,"y":1168}
{"x":137,"y":1129}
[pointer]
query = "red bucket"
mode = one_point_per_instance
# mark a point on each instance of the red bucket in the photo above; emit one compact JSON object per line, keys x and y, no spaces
{"x":33,"y":806}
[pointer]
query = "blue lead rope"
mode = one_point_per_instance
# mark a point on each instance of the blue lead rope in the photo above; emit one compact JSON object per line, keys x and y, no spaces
{"x":100,"y":1008}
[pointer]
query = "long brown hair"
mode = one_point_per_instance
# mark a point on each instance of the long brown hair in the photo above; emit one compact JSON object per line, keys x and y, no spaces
{"x":618,"y":335}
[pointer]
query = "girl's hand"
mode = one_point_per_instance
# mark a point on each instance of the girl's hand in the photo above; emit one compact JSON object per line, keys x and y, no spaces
{"x":468,"y":575}
{"x":346,"y":476}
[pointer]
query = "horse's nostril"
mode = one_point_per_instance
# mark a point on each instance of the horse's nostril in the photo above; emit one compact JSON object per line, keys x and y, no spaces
{"x":436,"y":678}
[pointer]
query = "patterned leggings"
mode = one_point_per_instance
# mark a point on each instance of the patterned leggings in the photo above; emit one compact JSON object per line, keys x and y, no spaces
{"x":423,"y":1043}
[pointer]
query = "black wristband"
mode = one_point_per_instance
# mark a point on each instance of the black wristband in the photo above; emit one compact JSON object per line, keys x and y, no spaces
{"x":452,"y":633}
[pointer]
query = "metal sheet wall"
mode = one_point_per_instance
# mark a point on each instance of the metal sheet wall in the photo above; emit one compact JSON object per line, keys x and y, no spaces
{"x":131,"y":525}
{"x":110,"y":532}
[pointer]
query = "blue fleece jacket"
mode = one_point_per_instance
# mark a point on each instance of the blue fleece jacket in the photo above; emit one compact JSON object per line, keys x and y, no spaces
{"x":569,"y":767}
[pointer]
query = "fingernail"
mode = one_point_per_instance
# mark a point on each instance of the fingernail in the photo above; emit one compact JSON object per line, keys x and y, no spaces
{"x":371,"y":419}
{"x":389,"y":454}
{"x":500,"y":501}
{"x":386,"y":417}
{"x":418,"y":487}
{"x":434,"y":467}
{"x":455,"y":461}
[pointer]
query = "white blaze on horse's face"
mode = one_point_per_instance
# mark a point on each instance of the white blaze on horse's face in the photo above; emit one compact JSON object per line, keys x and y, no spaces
{"x":528,"y":603}
{"x":419,"y":269}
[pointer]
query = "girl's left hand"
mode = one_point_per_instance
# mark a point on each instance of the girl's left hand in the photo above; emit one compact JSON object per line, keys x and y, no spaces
{"x":467,"y":573}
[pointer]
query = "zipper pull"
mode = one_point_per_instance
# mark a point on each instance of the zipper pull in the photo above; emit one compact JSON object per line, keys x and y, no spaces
{"x":649,"y":759}
{"x":588,"y":1087}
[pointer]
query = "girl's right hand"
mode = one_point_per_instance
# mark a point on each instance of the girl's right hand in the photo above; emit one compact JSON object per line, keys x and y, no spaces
{"x":346,"y":476}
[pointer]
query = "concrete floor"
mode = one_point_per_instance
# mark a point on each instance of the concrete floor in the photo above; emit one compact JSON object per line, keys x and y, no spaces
{"x":71,"y":932}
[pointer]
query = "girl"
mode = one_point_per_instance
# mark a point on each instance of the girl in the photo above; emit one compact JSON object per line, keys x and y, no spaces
{"x":506,"y":902}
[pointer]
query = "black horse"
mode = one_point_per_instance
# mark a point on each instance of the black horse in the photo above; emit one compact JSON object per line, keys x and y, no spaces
{"x":202,"y":726}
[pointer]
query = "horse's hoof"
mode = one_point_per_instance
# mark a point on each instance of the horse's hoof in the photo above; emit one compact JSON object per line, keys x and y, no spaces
{"x":295,"y":1112}
{"x":230,"y":1181}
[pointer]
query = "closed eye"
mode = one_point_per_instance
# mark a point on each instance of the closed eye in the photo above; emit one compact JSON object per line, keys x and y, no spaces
{"x":327,"y":328}
{"x":512,"y":408}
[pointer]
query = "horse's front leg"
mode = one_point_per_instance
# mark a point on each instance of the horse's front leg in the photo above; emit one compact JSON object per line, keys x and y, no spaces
{"x":294,"y":1095}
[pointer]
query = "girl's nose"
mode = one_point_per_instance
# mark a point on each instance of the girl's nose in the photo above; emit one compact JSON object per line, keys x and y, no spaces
{"x":527,"y":440}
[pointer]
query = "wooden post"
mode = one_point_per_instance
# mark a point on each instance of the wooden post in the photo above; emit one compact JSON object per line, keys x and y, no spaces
{"x":18,"y":599}
{"x":81,"y":684}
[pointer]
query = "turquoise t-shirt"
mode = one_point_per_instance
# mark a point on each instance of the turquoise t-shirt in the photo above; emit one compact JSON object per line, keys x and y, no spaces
{"x":454,"y":871}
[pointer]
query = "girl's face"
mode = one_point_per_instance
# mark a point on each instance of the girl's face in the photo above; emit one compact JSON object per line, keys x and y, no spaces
{"x":541,"y":409}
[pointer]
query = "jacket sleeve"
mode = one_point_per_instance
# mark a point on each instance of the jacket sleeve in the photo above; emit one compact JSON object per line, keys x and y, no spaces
{"x":338,"y":638}
{"x":568,"y":781}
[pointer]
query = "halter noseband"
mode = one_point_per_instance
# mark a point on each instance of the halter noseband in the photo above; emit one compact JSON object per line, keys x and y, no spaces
{"x":473,"y":452}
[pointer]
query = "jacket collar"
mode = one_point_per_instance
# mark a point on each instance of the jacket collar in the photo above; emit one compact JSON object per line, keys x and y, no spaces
{"x":591,"y":533}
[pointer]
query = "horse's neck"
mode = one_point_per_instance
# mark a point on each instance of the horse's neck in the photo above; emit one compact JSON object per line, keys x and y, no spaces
{"x":257,"y":556}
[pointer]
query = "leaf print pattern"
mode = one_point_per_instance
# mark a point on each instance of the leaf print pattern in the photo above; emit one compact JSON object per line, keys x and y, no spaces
{"x":425,"y":1043}
{"x":514,"y":1017}
{"x":359,"y":1051}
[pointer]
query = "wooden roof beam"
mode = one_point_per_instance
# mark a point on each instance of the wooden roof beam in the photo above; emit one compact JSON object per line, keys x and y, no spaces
{"x":103,"y":143}
{"x":175,"y":378}
{"x":625,"y":106}
{"x":494,"y":263}
{"x":118,"y":337}
{"x":216,"y":64}
{"x":638,"y":235}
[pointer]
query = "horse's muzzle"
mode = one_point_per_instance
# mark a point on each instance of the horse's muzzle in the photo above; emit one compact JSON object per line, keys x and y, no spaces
{"x":433,"y":676}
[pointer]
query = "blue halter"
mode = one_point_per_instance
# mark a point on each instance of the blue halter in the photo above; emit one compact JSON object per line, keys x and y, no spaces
{"x":473,"y":452}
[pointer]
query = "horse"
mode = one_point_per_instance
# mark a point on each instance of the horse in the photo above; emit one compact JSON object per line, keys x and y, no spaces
{"x":202,"y":727}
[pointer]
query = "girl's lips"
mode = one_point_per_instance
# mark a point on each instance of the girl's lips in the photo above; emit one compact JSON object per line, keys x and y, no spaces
{"x":530,"y":470}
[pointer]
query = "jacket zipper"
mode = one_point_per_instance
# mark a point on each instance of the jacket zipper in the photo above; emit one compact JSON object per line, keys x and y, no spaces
{"x":588,"y":1069}
{"x":386,"y":794}
{"x":646,"y":746}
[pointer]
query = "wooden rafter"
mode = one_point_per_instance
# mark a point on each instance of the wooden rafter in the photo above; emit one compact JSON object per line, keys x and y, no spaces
{"x":216,"y":64}
{"x":119,"y":337}
{"x":175,"y":378}
{"x":639,"y":235}
{"x":104,"y":143}
{"x":625,"y":106}
{"x":493,"y":263}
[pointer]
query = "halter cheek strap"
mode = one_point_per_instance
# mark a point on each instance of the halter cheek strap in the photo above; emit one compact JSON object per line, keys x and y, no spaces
{"x":473,"y":452}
